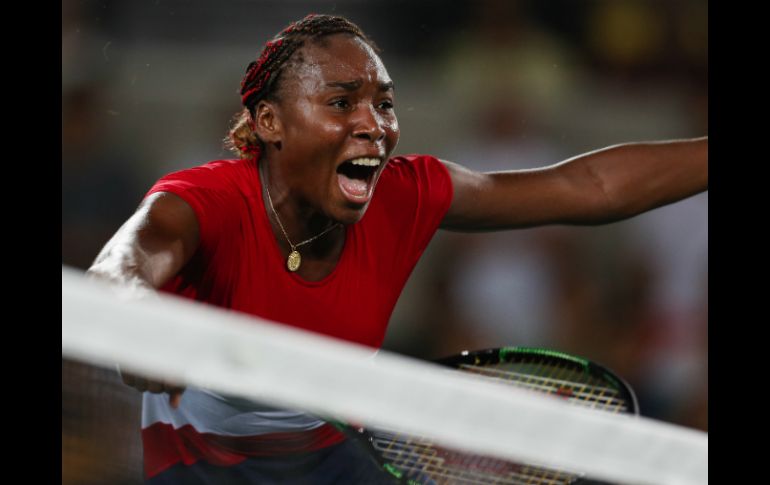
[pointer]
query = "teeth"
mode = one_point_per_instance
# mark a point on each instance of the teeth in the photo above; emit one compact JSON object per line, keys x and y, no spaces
{"x":367,"y":162}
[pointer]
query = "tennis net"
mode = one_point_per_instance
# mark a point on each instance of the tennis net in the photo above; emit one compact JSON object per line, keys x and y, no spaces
{"x":234,"y":354}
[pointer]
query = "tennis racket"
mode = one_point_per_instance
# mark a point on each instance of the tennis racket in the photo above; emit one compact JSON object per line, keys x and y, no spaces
{"x":415,"y":461}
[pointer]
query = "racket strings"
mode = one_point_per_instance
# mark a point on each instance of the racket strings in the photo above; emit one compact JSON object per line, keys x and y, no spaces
{"x":563,"y":381}
{"x":423,"y":461}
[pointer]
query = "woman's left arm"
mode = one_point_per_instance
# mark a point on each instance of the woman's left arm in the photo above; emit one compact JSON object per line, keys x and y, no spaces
{"x":595,"y":188}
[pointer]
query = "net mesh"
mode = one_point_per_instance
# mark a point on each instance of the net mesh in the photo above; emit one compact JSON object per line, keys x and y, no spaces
{"x":100,"y":427}
{"x":101,"y":421}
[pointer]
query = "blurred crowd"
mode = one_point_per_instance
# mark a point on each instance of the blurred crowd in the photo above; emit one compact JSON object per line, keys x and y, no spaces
{"x":150,"y":87}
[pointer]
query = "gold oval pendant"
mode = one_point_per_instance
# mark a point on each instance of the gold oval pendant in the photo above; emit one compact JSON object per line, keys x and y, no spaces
{"x":293,"y":262}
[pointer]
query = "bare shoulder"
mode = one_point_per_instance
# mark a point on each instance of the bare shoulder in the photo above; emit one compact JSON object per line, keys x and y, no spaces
{"x":153,"y":244}
{"x":168,"y":213}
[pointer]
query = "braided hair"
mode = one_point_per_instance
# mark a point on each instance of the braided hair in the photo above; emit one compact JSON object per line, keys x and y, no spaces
{"x":262,"y":79}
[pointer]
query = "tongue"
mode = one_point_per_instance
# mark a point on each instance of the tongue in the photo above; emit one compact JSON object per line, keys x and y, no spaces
{"x":354,"y":187}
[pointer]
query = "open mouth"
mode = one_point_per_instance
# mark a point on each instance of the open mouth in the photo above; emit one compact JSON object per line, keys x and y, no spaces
{"x":355,"y":178}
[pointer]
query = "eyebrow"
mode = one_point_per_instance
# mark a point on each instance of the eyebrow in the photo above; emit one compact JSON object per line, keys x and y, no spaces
{"x":353,"y":85}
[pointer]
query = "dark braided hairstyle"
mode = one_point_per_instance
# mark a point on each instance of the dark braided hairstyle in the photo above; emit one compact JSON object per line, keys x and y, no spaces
{"x":262,"y":79}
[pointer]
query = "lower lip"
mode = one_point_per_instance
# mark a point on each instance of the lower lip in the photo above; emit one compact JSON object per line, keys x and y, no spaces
{"x":356,"y":198}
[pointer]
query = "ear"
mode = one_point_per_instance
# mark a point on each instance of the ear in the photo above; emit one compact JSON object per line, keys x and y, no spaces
{"x":267,"y":123}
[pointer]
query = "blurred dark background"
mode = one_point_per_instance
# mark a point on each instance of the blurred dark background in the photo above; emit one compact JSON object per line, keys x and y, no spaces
{"x":149,"y":87}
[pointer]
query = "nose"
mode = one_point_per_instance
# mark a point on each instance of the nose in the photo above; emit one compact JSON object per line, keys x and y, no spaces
{"x":368,"y":125}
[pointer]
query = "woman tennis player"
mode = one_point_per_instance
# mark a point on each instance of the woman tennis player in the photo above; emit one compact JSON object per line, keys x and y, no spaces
{"x":316,"y":225}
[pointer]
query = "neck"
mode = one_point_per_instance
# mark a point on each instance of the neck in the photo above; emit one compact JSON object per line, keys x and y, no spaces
{"x":300,"y":221}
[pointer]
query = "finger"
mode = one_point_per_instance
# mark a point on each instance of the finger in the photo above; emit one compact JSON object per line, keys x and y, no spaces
{"x":175,"y":389}
{"x":175,"y":397}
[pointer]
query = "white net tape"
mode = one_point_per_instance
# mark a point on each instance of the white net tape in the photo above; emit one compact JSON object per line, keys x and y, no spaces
{"x":231,"y":353}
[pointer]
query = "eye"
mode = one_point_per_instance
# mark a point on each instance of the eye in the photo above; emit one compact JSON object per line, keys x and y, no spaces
{"x":341,"y":103}
{"x":386,"y":105}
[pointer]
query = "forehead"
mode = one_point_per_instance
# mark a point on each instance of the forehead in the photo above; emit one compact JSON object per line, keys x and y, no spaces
{"x":339,"y":57}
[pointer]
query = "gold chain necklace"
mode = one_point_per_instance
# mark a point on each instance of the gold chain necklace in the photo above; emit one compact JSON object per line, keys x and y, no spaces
{"x":294,"y":259}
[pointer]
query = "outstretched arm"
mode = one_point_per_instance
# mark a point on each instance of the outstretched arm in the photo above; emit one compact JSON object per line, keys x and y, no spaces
{"x":595,"y":188}
{"x":150,"y":248}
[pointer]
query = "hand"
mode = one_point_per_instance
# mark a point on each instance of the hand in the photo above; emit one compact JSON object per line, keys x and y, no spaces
{"x":143,"y":384}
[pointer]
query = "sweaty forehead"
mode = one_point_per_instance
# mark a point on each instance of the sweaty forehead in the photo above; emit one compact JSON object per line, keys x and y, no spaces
{"x":338,"y":57}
